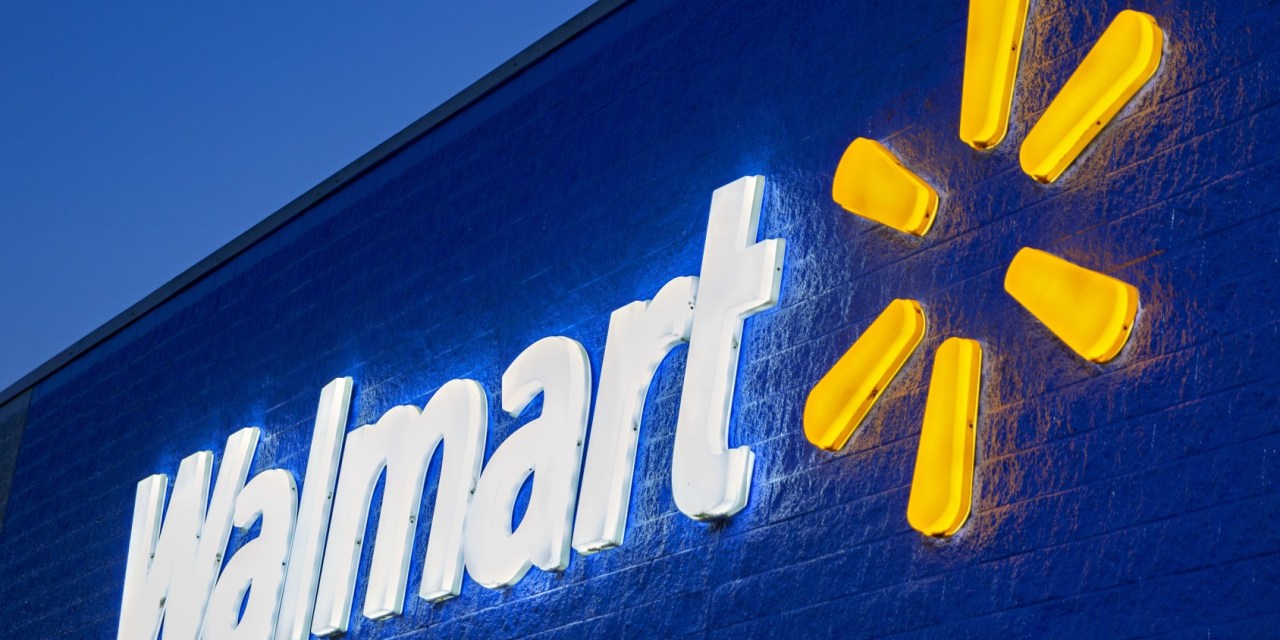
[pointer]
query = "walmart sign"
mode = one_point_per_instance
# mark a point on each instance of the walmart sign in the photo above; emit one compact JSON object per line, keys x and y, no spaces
{"x":298,"y":575}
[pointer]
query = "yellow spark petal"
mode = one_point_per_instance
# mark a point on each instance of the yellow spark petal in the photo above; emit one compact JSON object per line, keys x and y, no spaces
{"x":1093,"y":313}
{"x":870,"y":182}
{"x":1122,"y":60}
{"x":842,"y":398}
{"x":990,"y":68}
{"x":942,"y":486}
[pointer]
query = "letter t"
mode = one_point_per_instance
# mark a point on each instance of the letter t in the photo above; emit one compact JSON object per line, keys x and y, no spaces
{"x":739,"y":278}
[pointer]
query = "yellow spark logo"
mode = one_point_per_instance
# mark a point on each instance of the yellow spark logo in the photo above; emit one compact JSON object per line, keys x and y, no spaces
{"x":1090,"y":312}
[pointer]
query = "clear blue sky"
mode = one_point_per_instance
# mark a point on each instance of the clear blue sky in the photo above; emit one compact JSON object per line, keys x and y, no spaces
{"x":138,"y":137}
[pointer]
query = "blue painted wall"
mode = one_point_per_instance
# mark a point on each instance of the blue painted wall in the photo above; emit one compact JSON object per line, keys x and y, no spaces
{"x":1138,"y":497}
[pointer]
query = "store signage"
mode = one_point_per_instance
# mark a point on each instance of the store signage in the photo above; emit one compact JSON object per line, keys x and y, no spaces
{"x":1091,"y":312}
{"x":298,"y":575}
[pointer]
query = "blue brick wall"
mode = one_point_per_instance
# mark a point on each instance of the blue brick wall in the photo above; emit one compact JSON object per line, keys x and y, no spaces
{"x":1134,"y":498}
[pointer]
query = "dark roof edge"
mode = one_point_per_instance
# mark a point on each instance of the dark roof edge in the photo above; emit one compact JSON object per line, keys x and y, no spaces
{"x":465,"y":98}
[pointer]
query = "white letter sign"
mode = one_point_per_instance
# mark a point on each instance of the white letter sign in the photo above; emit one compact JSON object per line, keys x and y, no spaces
{"x":640,"y":336}
{"x":298,"y":576}
{"x":257,"y":569}
{"x":739,"y":278}
{"x":171,"y":578}
{"x":550,"y":448}
{"x":402,"y":442}
{"x":299,"y":596}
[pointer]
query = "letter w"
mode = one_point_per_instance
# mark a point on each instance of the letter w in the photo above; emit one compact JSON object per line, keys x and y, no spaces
{"x":171,"y":570}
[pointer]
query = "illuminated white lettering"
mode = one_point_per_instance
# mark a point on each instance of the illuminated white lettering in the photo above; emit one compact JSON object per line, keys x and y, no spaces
{"x":298,"y":576}
{"x":640,"y":336}
{"x":170,"y":578}
{"x":550,"y":448}
{"x":254,"y":576}
{"x":739,"y":277}
{"x":299,"y":595}
{"x":402,"y":442}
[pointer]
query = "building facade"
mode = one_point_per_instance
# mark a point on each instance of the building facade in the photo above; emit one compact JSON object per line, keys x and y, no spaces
{"x":500,"y":240}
